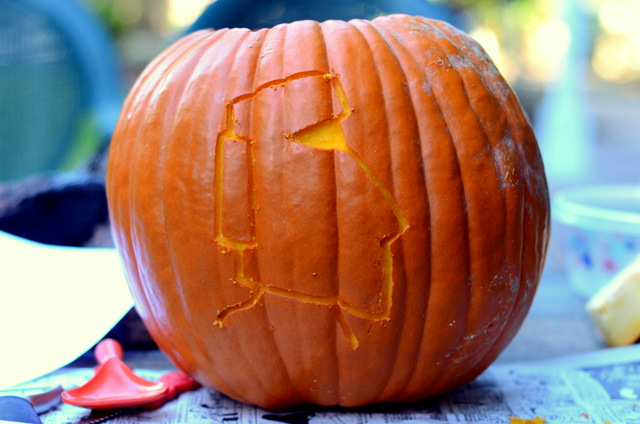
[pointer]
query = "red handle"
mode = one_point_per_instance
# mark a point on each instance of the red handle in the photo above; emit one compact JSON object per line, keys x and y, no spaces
{"x":177,"y":383}
{"x":107,"y":349}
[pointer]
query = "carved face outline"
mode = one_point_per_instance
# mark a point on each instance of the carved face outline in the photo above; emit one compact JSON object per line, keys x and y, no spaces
{"x":325,"y":135}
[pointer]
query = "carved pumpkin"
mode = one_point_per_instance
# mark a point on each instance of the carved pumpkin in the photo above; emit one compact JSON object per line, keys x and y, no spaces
{"x":328,"y":213}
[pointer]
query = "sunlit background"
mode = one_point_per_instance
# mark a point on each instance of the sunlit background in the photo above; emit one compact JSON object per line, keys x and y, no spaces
{"x":575,"y":65}
{"x":142,"y":28}
{"x":528,"y":39}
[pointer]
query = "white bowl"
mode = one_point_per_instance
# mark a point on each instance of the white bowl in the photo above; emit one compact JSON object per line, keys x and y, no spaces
{"x":599,"y":228}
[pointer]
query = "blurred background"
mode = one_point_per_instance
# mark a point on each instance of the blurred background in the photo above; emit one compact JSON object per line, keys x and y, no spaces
{"x":575,"y":65}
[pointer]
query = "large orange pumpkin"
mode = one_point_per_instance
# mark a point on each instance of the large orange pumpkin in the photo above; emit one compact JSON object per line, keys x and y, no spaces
{"x":330,"y":213}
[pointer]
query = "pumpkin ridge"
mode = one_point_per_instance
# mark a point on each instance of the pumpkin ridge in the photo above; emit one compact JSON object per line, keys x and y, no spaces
{"x":534,"y":193}
{"x":488,"y":75}
{"x":133,"y":101}
{"x":178,"y":144}
{"x":339,"y":317}
{"x":397,"y":47}
{"x":497,"y":86}
{"x":492,"y":146}
{"x":160,"y":62}
{"x":374,"y":34}
{"x":357,"y":147}
{"x":401,"y":52}
{"x":433,"y":387}
{"x":147,"y":89}
{"x":464,"y":296}
{"x":236,"y":247}
{"x":537,"y":192}
{"x":427,"y":384}
{"x":238,"y":38}
{"x":144,"y":303}
{"x":176,"y":289}
{"x":481,"y":355}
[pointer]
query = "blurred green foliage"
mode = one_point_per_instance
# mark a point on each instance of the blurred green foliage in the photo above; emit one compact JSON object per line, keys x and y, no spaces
{"x":120,"y":16}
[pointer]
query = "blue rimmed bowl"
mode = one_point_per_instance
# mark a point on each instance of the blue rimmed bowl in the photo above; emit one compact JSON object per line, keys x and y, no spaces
{"x":599,"y":228}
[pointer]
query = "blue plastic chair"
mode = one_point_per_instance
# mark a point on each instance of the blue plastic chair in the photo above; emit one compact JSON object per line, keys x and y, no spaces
{"x":61,"y":86}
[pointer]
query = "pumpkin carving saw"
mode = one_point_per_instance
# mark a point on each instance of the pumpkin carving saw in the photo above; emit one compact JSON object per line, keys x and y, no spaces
{"x":325,"y":135}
